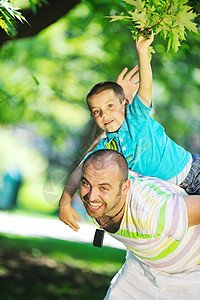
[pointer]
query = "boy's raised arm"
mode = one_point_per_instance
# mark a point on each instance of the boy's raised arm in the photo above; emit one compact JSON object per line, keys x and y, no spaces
{"x":145,"y":73}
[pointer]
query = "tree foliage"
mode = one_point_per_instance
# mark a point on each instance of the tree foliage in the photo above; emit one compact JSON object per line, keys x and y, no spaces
{"x":170,"y":19}
{"x":9,"y":13}
{"x":45,"y":78}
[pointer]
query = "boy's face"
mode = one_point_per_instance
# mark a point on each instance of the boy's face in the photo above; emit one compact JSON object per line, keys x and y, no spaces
{"x":107,"y":110}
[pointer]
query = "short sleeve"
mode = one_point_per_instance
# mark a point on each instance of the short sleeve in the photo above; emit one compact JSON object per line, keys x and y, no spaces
{"x":176,"y":218}
{"x":138,"y":109}
{"x":158,"y":210}
{"x":171,"y":219}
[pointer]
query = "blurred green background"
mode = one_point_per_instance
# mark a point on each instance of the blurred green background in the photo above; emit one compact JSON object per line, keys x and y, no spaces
{"x":45,"y":127}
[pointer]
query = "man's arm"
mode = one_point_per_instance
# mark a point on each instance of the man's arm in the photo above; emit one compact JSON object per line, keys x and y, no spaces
{"x":145,"y":73}
{"x":66,"y":211}
{"x":193,"y":209}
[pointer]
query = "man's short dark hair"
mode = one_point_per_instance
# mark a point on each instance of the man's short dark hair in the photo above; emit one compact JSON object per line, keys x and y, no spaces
{"x":106,"y":85}
{"x":103,"y":158}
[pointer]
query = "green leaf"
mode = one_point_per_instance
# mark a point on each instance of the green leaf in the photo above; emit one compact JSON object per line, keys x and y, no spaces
{"x":165,"y":31}
{"x":131,"y":2}
{"x":151,"y":51}
{"x":10,"y":11}
{"x":141,"y":18}
{"x":35,"y":80}
{"x":3,"y":25}
{"x":117,"y":18}
{"x":175,"y":40}
{"x":181,"y":29}
{"x":185,"y":17}
{"x":138,"y":4}
{"x":169,"y":42}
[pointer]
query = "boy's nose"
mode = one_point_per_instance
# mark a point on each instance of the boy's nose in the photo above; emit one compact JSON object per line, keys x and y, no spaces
{"x":104,"y":114}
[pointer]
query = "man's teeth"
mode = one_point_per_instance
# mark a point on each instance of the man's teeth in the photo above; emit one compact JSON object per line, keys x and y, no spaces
{"x":95,"y":204}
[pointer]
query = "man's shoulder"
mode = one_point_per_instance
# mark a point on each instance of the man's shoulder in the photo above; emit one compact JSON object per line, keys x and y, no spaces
{"x":151,"y":187}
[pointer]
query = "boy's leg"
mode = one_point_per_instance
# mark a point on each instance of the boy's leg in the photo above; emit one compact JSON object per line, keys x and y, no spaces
{"x":192,"y":182}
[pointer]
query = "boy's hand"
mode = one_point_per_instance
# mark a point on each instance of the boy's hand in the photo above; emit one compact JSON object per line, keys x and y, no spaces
{"x":143,"y":43}
{"x":127,"y":82}
{"x":67,"y":214}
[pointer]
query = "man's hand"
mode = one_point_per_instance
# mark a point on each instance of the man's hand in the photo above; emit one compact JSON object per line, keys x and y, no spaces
{"x":128,"y":82}
{"x":67,"y":214}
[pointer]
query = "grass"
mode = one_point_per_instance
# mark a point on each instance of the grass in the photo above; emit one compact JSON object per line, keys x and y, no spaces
{"x":45,"y":268}
{"x":103,"y":260}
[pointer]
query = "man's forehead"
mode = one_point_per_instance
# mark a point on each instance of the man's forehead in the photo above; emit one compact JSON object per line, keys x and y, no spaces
{"x":100,"y":171}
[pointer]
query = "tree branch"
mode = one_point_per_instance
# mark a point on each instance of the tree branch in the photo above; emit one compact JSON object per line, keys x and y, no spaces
{"x":46,"y":15}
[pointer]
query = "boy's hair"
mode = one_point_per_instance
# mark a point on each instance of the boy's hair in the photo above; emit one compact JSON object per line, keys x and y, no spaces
{"x":106,"y":85}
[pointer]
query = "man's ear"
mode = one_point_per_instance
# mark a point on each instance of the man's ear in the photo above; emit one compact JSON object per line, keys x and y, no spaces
{"x":126,"y":187}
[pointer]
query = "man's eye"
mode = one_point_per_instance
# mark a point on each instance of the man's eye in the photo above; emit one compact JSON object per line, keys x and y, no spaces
{"x":110,"y":105}
{"x":103,"y":189}
{"x":84,"y":183}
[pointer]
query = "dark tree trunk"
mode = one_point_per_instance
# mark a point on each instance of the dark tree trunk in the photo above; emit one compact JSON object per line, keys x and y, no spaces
{"x":45,"y":16}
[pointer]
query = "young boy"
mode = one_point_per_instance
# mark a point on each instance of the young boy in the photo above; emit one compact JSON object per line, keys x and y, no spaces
{"x":131,"y":131}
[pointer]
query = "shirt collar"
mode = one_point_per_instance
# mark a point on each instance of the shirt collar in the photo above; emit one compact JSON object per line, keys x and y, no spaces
{"x":124,"y":127}
{"x":111,"y":135}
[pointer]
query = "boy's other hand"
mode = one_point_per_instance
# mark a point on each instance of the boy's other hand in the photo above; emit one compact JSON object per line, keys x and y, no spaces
{"x":128,"y":82}
{"x":67,"y":215}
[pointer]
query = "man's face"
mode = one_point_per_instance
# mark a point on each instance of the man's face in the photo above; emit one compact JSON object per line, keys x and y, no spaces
{"x":107,"y":110}
{"x":101,"y":191}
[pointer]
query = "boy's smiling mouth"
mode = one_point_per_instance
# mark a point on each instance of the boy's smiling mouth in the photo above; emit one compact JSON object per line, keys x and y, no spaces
{"x":108,"y":123}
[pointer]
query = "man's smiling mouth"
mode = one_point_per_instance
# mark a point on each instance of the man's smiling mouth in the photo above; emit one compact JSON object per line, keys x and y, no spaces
{"x":94,"y":206}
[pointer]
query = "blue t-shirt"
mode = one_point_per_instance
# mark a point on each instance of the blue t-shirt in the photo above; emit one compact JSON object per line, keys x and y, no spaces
{"x":145,"y":145}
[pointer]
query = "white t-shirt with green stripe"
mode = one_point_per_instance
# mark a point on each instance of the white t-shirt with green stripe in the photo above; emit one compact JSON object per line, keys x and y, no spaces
{"x":155,"y":226}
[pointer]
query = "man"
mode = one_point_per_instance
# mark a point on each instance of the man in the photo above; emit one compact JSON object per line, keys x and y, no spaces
{"x":153,"y":220}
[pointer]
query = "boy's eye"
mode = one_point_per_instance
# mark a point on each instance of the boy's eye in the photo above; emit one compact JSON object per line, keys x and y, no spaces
{"x":95,"y":112}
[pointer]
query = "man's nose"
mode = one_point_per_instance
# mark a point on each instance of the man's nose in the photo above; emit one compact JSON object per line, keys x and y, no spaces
{"x":92,"y":194}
